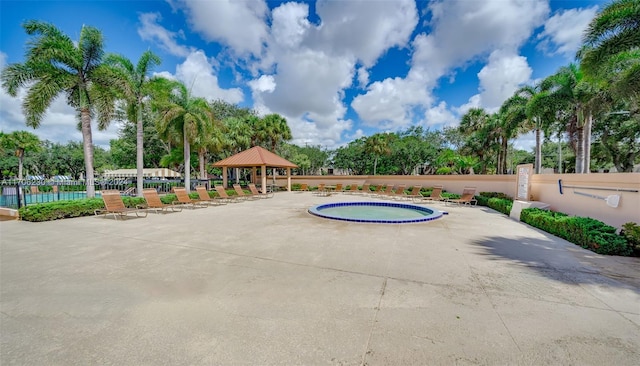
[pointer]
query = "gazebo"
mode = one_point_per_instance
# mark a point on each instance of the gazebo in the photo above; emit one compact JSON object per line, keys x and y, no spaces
{"x":254,"y":158}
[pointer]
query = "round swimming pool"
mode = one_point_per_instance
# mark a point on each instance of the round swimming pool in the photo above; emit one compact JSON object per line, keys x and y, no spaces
{"x":380,"y":212}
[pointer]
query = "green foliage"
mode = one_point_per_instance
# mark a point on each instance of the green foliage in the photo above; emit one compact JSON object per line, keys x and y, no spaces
{"x":483,"y":197}
{"x":584,"y":231}
{"x":60,"y":209}
{"x":500,"y":204}
{"x":631,"y":231}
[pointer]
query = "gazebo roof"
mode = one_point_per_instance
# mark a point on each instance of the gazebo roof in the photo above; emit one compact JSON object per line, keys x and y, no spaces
{"x":256,"y":156}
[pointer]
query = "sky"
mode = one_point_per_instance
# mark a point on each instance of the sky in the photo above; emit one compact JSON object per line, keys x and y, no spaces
{"x":336,"y":70}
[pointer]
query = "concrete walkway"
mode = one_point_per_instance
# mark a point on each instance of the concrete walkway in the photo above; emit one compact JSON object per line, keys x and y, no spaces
{"x":264,"y":282}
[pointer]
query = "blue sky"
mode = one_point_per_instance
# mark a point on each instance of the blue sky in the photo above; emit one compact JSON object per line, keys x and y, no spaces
{"x":337,"y":70}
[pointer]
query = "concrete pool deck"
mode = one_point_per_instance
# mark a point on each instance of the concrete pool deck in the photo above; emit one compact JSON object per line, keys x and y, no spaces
{"x":264,"y":282}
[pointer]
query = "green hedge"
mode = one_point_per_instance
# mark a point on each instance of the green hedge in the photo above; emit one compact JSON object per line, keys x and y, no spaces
{"x":584,"y":231}
{"x":86,"y":207}
{"x":66,"y":209}
{"x":631,"y":231}
{"x":500,"y":204}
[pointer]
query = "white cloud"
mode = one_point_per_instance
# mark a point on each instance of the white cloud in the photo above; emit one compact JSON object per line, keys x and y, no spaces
{"x":363,"y":77}
{"x":239,"y":24}
{"x":388,"y":103}
{"x":150,"y":30}
{"x":290,"y":25}
{"x":197,"y":73}
{"x":501,"y":77}
{"x":462,"y":32}
{"x":307,"y":66}
{"x":439,"y":116}
{"x":563,"y":32}
{"x":365,"y":29}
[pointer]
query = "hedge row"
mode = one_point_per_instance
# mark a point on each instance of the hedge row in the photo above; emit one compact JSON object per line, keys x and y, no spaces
{"x":84,"y":207}
{"x":584,"y":231}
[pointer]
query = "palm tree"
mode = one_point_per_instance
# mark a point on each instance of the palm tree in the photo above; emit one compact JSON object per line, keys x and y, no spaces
{"x":277,"y":130}
{"x":476,"y":125}
{"x":238,"y":135}
{"x":20,"y":142}
{"x":211,"y":141}
{"x":186,"y":117}
{"x":377,"y":145}
{"x":55,"y":64}
{"x":572,"y":98}
{"x":612,"y":47}
{"x":137,"y":89}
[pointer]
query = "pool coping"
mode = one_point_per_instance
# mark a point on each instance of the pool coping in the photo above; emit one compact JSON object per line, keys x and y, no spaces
{"x":434,"y":214}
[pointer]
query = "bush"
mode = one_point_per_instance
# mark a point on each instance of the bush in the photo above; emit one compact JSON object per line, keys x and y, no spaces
{"x":631,"y":232}
{"x":483,"y":197}
{"x":584,"y":231}
{"x":66,"y":209}
{"x":500,"y":204}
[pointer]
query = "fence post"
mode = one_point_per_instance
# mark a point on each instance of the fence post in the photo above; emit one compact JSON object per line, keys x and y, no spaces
{"x":19,"y":195}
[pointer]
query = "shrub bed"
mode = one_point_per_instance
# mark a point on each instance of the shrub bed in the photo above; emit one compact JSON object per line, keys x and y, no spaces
{"x":631,"y":232}
{"x":500,"y":204}
{"x":584,"y":231}
{"x":66,"y":209}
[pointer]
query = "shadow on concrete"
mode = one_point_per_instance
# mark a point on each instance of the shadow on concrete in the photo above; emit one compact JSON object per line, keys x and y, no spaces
{"x":562,"y":261}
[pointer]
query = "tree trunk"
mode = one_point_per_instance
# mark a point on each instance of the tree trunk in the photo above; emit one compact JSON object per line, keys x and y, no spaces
{"x":375,"y":163}
{"x":20,"y":162}
{"x":87,"y":145}
{"x":203,"y":172}
{"x":580,"y":152}
{"x":538,"y":166}
{"x":586,"y":136}
{"x":139,"y":151}
{"x":187,"y":160}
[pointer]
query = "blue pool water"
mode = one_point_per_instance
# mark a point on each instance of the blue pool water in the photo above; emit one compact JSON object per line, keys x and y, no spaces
{"x":377,"y":212}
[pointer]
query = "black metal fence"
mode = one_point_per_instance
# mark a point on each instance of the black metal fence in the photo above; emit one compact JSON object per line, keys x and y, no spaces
{"x":20,"y":193}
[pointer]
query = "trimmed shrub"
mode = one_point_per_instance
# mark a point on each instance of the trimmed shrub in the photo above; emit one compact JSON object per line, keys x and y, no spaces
{"x":66,"y":209}
{"x":500,"y":204}
{"x":584,"y":231}
{"x":631,"y":231}
{"x":484,"y":197}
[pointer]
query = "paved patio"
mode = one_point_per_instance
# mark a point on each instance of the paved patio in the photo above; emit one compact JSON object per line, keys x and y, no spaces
{"x":264,"y":282}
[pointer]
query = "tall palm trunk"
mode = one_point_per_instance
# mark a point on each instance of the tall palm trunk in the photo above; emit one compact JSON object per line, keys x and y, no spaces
{"x":187,"y":160}
{"x":580,"y":151}
{"x":87,"y":144}
{"x":139,"y":151}
{"x":20,"y":154}
{"x":538,"y":158}
{"x":375,"y":163}
{"x":201,"y":162}
{"x":586,"y":141}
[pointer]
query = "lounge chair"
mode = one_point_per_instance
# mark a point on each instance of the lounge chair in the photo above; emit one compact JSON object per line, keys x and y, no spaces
{"x":386,"y":192}
{"x":204,"y":197}
{"x":436,"y":195}
{"x":338,"y":188}
{"x":154,"y":203}
{"x":366,"y":189}
{"x":467,"y":197}
{"x":398,"y":192}
{"x":256,"y":193}
{"x":353,"y":188}
{"x":242,"y":195}
{"x":113,"y":205}
{"x":224,"y":196}
{"x":304,"y":187}
{"x":415,"y":193}
{"x":322,"y":190}
{"x":182,"y":198}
